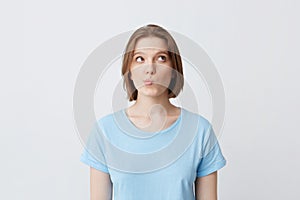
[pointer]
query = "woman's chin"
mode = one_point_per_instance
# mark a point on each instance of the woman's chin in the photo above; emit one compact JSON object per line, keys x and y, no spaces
{"x":151,"y":92}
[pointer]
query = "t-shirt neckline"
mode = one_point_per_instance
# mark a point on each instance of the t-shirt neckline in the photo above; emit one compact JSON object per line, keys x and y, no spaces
{"x":136,"y":130}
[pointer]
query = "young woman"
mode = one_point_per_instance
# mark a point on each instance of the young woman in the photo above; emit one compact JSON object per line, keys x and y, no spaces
{"x":152,"y":71}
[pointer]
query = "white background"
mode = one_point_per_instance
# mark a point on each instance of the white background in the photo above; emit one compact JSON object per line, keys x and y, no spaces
{"x":254,"y":45}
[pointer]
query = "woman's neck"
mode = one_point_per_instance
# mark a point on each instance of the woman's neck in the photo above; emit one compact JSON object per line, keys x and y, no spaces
{"x":146,"y":105}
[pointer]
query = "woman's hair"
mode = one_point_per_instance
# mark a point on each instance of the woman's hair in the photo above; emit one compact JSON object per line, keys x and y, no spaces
{"x":152,"y":30}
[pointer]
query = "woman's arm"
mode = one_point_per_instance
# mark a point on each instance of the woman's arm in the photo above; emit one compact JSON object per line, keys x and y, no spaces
{"x":100,"y":185}
{"x":206,"y":187}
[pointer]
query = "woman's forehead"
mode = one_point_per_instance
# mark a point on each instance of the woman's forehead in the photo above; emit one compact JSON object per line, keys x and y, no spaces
{"x":151,"y":43}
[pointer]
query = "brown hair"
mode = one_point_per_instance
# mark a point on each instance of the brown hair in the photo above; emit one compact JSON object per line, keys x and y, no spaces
{"x":149,"y":30}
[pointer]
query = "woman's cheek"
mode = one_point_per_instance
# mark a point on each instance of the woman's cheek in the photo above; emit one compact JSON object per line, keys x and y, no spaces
{"x":165,"y":78}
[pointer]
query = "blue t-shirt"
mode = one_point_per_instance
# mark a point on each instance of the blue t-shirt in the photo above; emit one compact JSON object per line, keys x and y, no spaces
{"x":162,"y":165}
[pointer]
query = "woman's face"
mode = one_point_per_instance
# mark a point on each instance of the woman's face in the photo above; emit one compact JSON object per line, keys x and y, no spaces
{"x":151,"y":67}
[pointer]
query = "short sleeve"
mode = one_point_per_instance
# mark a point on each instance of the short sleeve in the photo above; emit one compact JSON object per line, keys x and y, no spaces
{"x":211,"y":158}
{"x":93,"y":152}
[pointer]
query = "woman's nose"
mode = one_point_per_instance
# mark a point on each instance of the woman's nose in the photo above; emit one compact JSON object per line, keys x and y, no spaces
{"x":150,"y":68}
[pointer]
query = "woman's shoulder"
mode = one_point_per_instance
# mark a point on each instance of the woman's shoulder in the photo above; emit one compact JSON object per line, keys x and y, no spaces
{"x":203,"y":121}
{"x":109,"y":118}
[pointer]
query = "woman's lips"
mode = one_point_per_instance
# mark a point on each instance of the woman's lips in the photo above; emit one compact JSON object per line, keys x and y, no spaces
{"x":148,"y":82}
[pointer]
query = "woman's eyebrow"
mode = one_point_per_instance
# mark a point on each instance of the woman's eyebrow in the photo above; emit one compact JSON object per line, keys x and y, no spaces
{"x":138,"y":52}
{"x":159,"y":52}
{"x":165,"y":52}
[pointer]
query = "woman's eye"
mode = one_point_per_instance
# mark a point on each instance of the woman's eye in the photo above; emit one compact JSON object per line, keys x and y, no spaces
{"x":162,"y":58}
{"x":139,"y":59}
